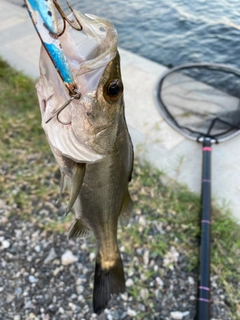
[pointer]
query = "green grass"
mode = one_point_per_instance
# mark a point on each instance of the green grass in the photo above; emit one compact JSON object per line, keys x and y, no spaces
{"x":166,"y":214}
{"x":27,"y":165}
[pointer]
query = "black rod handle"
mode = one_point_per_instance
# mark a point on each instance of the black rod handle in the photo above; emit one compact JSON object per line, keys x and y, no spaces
{"x":203,"y":302}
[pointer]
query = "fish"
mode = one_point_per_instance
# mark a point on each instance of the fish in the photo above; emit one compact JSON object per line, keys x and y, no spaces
{"x":91,"y":143}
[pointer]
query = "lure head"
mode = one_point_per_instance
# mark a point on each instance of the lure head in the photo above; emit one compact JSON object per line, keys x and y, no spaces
{"x":86,"y":129}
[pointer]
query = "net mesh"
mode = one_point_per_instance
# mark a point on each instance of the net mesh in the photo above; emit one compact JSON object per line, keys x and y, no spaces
{"x":202,"y":101}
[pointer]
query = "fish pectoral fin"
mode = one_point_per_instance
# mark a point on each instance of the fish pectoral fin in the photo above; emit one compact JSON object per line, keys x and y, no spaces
{"x":77,"y":181}
{"x":62,"y":186}
{"x":127,"y":208}
{"x":78,"y":229}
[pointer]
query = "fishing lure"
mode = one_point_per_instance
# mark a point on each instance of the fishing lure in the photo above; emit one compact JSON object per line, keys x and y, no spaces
{"x":44,"y":19}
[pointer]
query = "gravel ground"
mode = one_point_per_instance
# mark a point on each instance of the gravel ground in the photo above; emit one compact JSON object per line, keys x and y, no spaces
{"x":45,"y":276}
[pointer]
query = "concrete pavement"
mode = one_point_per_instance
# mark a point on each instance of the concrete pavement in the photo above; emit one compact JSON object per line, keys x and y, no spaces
{"x":153,"y":139}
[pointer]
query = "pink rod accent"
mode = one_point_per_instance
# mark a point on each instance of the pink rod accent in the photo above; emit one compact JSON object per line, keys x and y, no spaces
{"x":204,"y":288}
{"x":206,"y":221}
{"x":207,"y":149}
{"x":204,"y":300}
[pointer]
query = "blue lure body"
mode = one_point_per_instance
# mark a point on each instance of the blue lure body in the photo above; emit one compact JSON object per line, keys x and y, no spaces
{"x":46,"y":10}
{"x":44,"y":19}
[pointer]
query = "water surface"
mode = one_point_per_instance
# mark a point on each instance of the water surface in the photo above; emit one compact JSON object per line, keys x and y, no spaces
{"x":173,"y":32}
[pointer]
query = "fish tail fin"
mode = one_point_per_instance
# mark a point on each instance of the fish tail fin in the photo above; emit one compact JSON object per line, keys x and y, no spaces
{"x":107,"y":282}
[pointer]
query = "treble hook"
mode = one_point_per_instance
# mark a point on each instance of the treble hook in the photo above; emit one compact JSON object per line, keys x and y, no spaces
{"x":77,"y":95}
{"x":65,"y":18}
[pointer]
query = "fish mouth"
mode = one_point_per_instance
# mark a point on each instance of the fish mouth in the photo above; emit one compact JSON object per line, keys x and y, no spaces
{"x":88,"y":52}
{"x":95,"y":45}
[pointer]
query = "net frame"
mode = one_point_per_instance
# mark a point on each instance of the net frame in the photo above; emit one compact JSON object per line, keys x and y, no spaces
{"x":163,"y":109}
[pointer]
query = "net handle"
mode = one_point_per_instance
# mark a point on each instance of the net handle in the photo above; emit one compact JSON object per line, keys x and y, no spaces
{"x":203,"y":300}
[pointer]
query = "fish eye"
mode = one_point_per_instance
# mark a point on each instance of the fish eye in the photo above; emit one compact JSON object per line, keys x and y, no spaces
{"x":114,"y":89}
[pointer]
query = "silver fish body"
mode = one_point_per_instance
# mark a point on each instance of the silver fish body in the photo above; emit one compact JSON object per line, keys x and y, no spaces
{"x":92,"y":146}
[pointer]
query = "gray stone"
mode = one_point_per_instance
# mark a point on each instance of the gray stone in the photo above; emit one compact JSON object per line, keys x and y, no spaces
{"x":129,"y":282}
{"x":92,"y":256}
{"x":18,"y":291}
{"x":37,"y":248}
{"x":177,"y":315}
{"x":51,"y":256}
{"x":191,"y":281}
{"x":6,"y":244}
{"x":80,"y":289}
{"x":144,"y":293}
{"x":131,"y":312}
{"x":31,"y":279}
{"x":68,"y":258}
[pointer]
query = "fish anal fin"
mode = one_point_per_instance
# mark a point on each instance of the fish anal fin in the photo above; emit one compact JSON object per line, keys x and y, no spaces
{"x":76,"y":184}
{"x":107,"y":282}
{"x":78,"y":229}
{"x":127,"y":208}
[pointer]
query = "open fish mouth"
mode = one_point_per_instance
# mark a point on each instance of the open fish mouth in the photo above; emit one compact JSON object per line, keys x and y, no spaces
{"x":89,"y":55}
{"x":86,"y":51}
{"x":99,"y":46}
{"x":65,"y":105}
{"x":77,"y":44}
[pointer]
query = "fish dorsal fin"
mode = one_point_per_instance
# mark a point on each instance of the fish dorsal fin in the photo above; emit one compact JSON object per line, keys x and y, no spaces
{"x":76,"y":185}
{"x":127,"y":208}
{"x":78,"y":229}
